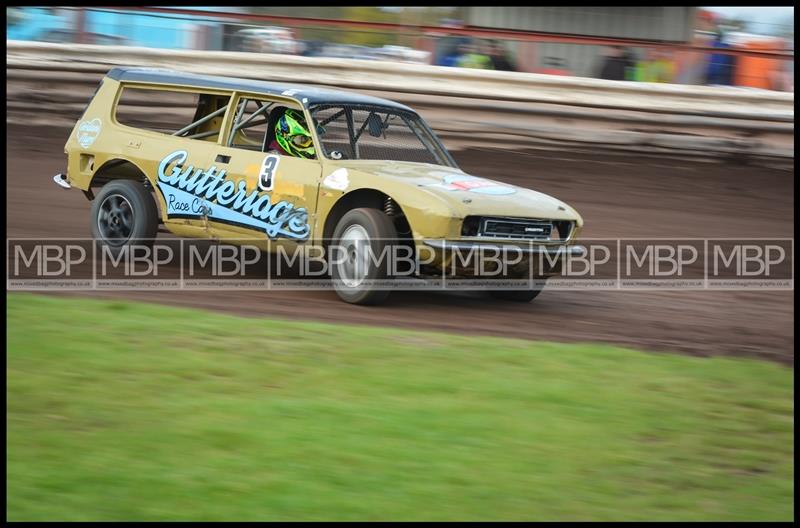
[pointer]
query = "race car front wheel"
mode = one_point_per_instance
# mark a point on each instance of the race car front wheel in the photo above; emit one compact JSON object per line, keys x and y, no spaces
{"x":124,"y":214}
{"x":361,"y":237}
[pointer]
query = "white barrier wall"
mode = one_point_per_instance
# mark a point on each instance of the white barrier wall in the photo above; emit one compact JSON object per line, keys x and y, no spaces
{"x":728,"y":102}
{"x":464,"y":107}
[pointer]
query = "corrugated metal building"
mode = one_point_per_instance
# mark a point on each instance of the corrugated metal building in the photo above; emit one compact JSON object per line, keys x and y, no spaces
{"x":672,"y":24}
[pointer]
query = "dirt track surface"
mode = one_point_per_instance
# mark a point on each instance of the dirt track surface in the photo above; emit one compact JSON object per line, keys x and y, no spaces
{"x":617,"y":197}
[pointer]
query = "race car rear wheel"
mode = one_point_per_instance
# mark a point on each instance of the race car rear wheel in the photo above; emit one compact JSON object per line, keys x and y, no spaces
{"x":359,"y":232}
{"x":124,"y":214}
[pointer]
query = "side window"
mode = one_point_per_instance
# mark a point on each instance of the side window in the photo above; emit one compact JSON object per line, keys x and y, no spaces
{"x":250,"y":124}
{"x":254,"y":123}
{"x":192,"y":115}
{"x":332,"y":126}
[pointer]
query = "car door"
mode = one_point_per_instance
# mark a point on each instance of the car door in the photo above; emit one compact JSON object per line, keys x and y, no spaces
{"x":173,"y":147}
{"x":266,"y":196}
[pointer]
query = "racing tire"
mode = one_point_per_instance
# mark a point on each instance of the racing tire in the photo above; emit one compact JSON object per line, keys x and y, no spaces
{"x":124,"y":214}
{"x":350,"y":265}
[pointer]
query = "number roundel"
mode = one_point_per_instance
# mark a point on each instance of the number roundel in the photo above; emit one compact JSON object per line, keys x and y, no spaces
{"x":266,"y":178}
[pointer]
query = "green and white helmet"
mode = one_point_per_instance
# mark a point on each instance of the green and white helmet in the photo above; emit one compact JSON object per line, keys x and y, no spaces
{"x":292,"y":135}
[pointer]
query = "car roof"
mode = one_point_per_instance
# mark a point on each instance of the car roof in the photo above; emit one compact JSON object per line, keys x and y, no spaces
{"x":306,"y":95}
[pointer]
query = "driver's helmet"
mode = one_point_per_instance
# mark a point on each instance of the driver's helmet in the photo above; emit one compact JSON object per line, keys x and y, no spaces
{"x":292,"y":135}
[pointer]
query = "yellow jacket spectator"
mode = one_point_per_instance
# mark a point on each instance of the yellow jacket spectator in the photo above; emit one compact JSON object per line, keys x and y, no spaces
{"x":475,"y":60}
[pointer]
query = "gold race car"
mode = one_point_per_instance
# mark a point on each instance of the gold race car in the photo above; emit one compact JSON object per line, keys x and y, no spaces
{"x":287,"y":166}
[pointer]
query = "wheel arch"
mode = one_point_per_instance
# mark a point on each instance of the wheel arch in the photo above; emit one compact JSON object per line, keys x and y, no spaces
{"x":124,"y":169}
{"x":118,"y":169}
{"x":369,"y":198}
{"x":365,"y":197}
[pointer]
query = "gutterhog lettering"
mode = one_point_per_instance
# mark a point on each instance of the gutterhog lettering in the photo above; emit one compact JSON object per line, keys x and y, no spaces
{"x":225,"y":201}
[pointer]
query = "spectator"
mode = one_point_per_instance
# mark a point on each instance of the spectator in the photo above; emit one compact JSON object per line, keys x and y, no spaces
{"x":497,"y":54}
{"x":617,"y":64}
{"x":720,"y":66}
{"x":453,"y":58}
{"x":629,"y":60}
{"x":475,"y":58}
{"x":656,"y":67}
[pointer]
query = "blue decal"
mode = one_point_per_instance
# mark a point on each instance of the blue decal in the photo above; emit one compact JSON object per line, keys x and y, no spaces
{"x":191,"y":192}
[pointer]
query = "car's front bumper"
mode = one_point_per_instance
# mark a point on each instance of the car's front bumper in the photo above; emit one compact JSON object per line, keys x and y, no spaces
{"x":513,"y":248}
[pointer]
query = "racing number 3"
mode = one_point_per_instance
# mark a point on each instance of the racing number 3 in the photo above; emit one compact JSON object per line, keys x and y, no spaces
{"x":266,"y":178}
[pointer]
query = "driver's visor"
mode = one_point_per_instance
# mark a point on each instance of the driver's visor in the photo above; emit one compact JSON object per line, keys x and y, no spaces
{"x":301,"y":140}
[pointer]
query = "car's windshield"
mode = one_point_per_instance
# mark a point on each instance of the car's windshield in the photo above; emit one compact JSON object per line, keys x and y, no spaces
{"x":367,"y":132}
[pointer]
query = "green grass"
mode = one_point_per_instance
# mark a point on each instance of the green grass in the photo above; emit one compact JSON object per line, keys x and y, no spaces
{"x":130,"y":411}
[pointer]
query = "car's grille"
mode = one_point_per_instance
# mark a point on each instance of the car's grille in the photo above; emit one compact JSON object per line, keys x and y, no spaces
{"x":531,"y":229}
{"x":517,"y":228}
